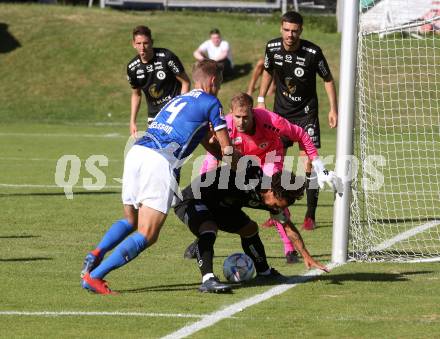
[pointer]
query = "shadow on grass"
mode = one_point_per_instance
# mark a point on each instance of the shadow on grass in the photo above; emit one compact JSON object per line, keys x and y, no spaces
{"x":25,"y":259}
{"x":19,"y":236}
{"x":338,"y":279}
{"x":240,"y":70}
{"x":164,"y":288}
{"x":9,"y":42}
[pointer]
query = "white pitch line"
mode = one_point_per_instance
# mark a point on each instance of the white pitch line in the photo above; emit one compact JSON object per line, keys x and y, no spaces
{"x":63,"y":135}
{"x":229,"y":311}
{"x":41,"y":159}
{"x":405,"y":235}
{"x":74,"y":313}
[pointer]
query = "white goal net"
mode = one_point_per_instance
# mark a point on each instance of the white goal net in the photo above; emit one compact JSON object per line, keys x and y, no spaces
{"x":395,"y":212}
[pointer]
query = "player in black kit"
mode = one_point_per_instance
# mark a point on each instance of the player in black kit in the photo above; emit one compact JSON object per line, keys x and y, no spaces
{"x":155,"y":71}
{"x":214,"y":201}
{"x":293,"y":64}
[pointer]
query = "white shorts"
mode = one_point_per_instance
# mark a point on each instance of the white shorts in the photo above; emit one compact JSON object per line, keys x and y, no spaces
{"x":147,"y":180}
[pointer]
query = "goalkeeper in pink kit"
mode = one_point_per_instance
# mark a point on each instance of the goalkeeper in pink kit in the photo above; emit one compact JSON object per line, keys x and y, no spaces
{"x":257,"y":132}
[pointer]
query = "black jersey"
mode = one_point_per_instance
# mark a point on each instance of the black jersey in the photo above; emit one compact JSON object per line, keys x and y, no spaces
{"x":295,"y":77}
{"x":227,"y":192}
{"x":156,"y":78}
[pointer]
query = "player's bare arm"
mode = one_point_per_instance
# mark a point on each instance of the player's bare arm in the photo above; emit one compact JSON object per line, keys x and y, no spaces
{"x":136,"y":96}
{"x":266,"y":80}
{"x":211,"y":144}
{"x":330,"y":88}
{"x":297,"y":240}
{"x":199,"y":54}
{"x":184,"y":80}
{"x":227,"y":148}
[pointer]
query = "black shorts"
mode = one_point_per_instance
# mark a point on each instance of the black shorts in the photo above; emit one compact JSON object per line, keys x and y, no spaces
{"x":309,"y":123}
{"x":194,"y":213}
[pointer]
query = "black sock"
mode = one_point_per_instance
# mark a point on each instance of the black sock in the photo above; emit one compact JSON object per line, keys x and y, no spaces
{"x":205,"y":252}
{"x":312,"y":196}
{"x":254,"y":248}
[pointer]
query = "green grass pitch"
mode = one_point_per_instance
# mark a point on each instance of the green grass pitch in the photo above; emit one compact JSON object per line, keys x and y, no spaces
{"x":56,"y":92}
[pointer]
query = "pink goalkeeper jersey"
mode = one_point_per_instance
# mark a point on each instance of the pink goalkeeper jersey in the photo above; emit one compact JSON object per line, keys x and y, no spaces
{"x":266,"y":140}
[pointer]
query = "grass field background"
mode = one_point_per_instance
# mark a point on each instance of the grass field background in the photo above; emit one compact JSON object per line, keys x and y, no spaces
{"x":56,"y":91}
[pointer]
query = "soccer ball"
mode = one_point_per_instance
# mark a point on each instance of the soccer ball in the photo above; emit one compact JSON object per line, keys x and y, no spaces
{"x":238,"y":267}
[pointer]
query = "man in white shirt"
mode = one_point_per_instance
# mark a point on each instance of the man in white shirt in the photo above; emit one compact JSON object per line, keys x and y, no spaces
{"x":216,"y":49}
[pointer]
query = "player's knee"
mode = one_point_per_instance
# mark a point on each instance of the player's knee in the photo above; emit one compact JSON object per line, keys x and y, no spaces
{"x":151,"y":233}
{"x":249,"y":230}
{"x":208,"y":226}
{"x":131,"y":215}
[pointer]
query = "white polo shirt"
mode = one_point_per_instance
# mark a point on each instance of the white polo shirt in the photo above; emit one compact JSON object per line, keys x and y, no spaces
{"x":213,"y":51}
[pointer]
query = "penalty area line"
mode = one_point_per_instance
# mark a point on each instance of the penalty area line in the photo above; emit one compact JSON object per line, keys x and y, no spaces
{"x":64,"y":135}
{"x":229,"y":311}
{"x":90,"y":188}
{"x":85,"y":314}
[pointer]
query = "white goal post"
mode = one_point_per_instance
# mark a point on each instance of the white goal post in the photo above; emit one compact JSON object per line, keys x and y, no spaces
{"x":389,"y":98}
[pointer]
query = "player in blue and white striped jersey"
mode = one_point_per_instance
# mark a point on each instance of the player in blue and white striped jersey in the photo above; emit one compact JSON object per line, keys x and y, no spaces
{"x":149,"y":180}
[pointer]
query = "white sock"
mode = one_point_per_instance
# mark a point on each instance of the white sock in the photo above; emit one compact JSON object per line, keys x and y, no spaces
{"x":207,"y":276}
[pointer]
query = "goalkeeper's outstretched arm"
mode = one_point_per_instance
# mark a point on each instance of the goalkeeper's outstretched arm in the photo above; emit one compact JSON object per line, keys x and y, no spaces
{"x":298,"y":242}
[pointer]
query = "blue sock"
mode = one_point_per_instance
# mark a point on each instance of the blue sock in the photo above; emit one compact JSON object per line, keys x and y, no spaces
{"x":117,"y":232}
{"x":125,"y":252}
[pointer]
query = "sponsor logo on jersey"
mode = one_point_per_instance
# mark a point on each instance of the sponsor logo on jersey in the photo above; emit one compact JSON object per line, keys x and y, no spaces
{"x":311,"y":131}
{"x":173,"y":66}
{"x":163,"y":127}
{"x":300,"y":61}
{"x":299,"y":72}
{"x":160,"y":54}
{"x":288,"y":58}
{"x":277,"y":56}
{"x":291,"y":97}
{"x":306,"y":109}
{"x":221,"y":113}
{"x":271,"y":127}
{"x":273,"y":44}
{"x":275,"y":49}
{"x":134,"y":63}
{"x":266,"y":61}
{"x":140,"y":76}
{"x":310,"y":50}
{"x":154,"y":93}
{"x":200,"y":207}
{"x":161,"y":75}
{"x":150,"y":68}
{"x":158,"y":65}
{"x":237,"y":140}
{"x":164,"y":99}
{"x":290,"y":85}
{"x":278,"y":63}
{"x":194,"y":93}
{"x":323,"y":69}
{"x":140,"y":71}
